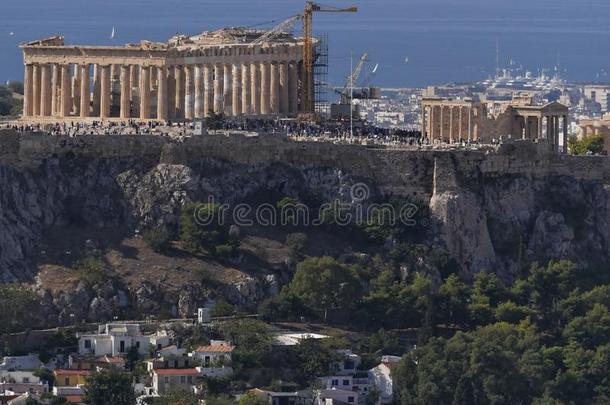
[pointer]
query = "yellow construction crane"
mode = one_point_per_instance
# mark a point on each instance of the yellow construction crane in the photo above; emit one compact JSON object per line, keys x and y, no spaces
{"x":307,"y":96}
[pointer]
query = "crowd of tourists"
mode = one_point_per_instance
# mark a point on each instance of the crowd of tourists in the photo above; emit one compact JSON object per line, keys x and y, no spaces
{"x":329,"y":131}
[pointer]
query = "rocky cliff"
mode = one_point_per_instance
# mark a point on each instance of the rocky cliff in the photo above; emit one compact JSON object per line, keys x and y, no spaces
{"x":490,"y":210}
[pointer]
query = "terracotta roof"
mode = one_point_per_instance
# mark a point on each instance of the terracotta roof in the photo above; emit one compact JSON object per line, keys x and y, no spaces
{"x":72,"y":372}
{"x":113,"y":360}
{"x":74,"y":399}
{"x":390,"y":365}
{"x":176,"y":371}
{"x":215,"y":349}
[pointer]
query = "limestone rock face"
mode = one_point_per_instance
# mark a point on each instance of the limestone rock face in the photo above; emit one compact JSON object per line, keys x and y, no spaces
{"x":484,"y":219}
{"x":463,"y":228}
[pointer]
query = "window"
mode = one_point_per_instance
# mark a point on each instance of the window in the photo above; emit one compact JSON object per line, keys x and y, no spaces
{"x":348,"y":365}
{"x":26,"y":380}
{"x":159,"y":346}
{"x":67,"y":381}
{"x":350,"y":400}
{"x":182,"y":379}
{"x":186,"y":363}
{"x":87,"y":344}
{"x":189,"y":379}
{"x":138,"y":344}
{"x":175,"y":363}
{"x":166,"y":379}
{"x":122,"y":346}
{"x":345,"y":382}
{"x":335,"y":383}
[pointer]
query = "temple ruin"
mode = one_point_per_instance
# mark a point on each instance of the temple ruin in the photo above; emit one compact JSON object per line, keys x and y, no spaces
{"x":455,"y":120}
{"x":189,"y":77}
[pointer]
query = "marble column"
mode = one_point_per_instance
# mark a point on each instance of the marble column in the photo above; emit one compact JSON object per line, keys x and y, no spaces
{"x":564,"y":142}
{"x":208,"y":91}
{"x":461,"y":123}
{"x":125,"y":108}
{"x":97,"y":70}
{"x":105,"y":91}
{"x":432,"y":123}
{"x":470,"y":137}
{"x":189,"y":93}
{"x":45,"y":91}
{"x":293,"y":82}
{"x":539,"y":127}
{"x":145,"y":92}
{"x":442,"y":123}
{"x":66,"y":92}
{"x":265,"y":89}
{"x":28,"y":91}
{"x":76,"y":80}
{"x":284,"y":89}
{"x":180,"y":92}
{"x":246,"y":87}
{"x":171,"y":93}
{"x":236,"y":96}
{"x":451,"y":124}
{"x":255,"y":79}
{"x":228,"y":91}
{"x":218,"y":81}
{"x":134,"y":79}
{"x":55,"y":87}
{"x":162,"y":100}
{"x":85,"y":91}
{"x":199,"y":111}
{"x":274,"y":89}
{"x":556,"y":129}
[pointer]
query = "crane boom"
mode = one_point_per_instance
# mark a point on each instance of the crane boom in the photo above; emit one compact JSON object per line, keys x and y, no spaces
{"x":285,"y":26}
{"x":353,"y":77}
{"x":307,"y":96}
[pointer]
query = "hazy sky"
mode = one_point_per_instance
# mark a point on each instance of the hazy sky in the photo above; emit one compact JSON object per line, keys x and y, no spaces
{"x":444,"y":40}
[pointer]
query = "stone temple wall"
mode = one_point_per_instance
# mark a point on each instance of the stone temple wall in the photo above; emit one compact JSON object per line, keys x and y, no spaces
{"x":392,"y":171}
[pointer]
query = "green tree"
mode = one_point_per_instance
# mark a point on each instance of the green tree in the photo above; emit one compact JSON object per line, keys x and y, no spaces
{"x":296,"y":243}
{"x":45,"y":375}
{"x":202,"y":229}
{"x":157,"y":239}
{"x":323,"y":284}
{"x":253,"y":340}
{"x":590,"y":330}
{"x":109,"y":387}
{"x":92,"y":270}
{"x":453,"y":296}
{"x":16,"y":306}
{"x":497,"y":364}
{"x":252,"y":399}
{"x":177,"y":398}
{"x":587,"y":144}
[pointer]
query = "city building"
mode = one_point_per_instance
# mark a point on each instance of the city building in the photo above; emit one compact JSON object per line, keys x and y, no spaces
{"x":116,"y":339}
{"x":218,"y":352}
{"x":189,"y":77}
{"x":165,"y":380}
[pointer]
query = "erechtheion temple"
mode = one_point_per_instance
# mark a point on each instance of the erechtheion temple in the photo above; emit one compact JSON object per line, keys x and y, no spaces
{"x":223,"y":71}
{"x":447,"y":120}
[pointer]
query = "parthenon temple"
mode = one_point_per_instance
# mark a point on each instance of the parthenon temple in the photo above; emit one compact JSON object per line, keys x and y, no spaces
{"x":449,"y":121}
{"x":189,"y":77}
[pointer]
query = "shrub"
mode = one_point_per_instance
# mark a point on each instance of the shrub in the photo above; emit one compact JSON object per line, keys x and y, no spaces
{"x":92,"y":270}
{"x":296,"y":243}
{"x":157,"y":239}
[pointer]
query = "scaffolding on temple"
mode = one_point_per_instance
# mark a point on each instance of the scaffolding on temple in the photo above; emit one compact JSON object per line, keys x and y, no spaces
{"x":320,"y":73}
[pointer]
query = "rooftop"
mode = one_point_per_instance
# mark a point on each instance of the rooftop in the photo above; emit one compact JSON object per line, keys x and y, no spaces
{"x":60,"y":371}
{"x":175,"y":371}
{"x":215,"y":349}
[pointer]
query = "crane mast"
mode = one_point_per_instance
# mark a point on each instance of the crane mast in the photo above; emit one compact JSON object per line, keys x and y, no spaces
{"x":307,"y":94}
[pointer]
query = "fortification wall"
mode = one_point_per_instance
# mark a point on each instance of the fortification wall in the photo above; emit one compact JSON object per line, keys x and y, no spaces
{"x":393,"y":171}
